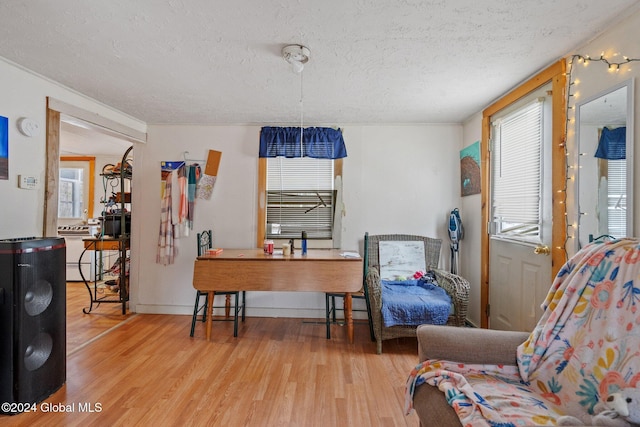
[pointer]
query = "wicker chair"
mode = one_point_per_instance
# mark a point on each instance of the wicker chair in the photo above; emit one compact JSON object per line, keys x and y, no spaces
{"x":455,"y":286}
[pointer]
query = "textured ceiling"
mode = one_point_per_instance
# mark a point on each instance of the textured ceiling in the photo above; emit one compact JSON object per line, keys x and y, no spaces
{"x":372,"y":61}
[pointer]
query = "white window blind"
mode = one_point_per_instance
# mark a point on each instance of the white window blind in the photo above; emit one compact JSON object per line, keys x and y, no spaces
{"x":516,"y":167}
{"x":617,"y":200}
{"x":300,"y":197}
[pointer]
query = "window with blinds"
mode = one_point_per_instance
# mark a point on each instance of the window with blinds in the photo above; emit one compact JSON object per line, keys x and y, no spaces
{"x":617,"y":197}
{"x":300,"y":197}
{"x":516,"y":166}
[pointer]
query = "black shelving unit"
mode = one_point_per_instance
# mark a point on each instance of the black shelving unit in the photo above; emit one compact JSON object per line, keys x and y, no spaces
{"x":118,"y":241}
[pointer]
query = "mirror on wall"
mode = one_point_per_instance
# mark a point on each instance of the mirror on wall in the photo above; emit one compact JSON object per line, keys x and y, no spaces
{"x":604,"y":132}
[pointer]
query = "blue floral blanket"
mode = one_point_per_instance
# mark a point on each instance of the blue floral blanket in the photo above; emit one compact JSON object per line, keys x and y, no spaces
{"x":413,"y":303}
{"x":585,"y":347}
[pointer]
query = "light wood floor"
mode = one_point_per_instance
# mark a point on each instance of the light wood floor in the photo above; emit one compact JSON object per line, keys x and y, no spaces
{"x":81,"y":327}
{"x":146,"y":370}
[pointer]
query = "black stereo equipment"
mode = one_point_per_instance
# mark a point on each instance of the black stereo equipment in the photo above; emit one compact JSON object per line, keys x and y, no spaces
{"x":32,"y":320}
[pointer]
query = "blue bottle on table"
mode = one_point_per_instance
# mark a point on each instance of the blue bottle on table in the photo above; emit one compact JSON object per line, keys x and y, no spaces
{"x":304,"y":243}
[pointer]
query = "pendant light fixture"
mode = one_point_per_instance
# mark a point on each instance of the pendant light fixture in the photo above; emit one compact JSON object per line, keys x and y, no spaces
{"x":298,"y":55}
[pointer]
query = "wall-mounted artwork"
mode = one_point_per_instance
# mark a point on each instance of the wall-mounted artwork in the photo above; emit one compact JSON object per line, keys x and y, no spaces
{"x":470,"y":169}
{"x":4,"y":148}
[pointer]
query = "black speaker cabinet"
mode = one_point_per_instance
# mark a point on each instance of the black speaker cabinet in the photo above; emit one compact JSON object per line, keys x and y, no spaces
{"x":32,"y":320}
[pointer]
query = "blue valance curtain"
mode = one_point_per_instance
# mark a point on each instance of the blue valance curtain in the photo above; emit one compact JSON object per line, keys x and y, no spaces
{"x":318,"y":143}
{"x":612,"y":144}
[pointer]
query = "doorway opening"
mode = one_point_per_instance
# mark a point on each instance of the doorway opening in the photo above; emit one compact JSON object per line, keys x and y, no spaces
{"x":74,"y":215}
{"x":556,"y":76}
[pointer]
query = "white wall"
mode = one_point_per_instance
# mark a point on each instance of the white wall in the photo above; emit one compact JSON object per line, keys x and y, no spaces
{"x":397,"y":179}
{"x":471,"y":215}
{"x":24,"y":95}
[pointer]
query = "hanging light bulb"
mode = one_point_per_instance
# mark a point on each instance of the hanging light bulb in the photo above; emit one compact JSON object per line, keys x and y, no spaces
{"x":297,"y":66}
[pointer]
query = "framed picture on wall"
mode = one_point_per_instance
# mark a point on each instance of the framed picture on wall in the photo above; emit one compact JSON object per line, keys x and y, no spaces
{"x":4,"y":148}
{"x":470,"y":169}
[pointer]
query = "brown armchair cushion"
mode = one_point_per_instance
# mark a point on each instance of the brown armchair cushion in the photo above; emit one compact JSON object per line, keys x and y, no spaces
{"x":468,"y":345}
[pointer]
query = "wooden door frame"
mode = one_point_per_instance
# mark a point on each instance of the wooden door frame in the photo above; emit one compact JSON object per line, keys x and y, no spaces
{"x":556,"y":75}
{"x":50,"y":217}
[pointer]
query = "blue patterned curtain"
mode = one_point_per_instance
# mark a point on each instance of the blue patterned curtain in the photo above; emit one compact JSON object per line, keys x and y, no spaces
{"x":612,"y":144}
{"x":318,"y":143}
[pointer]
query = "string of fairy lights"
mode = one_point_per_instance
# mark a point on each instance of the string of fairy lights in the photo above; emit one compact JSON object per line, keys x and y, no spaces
{"x":572,"y":95}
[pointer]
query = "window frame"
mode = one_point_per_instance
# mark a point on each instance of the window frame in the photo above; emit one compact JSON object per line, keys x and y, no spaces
{"x":530,"y":114}
{"x":89,"y":166}
{"x":262,"y":199}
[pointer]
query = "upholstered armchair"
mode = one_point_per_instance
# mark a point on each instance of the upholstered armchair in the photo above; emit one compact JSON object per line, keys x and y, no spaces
{"x":585,"y":348}
{"x":455,"y":286}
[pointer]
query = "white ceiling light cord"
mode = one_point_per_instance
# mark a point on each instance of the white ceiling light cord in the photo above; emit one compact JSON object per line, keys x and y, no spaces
{"x":301,"y":116}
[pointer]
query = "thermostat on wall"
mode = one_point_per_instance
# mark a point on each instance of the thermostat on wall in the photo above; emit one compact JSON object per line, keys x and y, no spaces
{"x":28,"y":182}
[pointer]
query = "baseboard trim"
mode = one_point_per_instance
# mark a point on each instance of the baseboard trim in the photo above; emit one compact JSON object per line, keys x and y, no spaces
{"x":303,"y":313}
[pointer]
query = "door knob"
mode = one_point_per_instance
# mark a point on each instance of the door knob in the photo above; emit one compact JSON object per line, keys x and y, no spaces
{"x":542,"y":250}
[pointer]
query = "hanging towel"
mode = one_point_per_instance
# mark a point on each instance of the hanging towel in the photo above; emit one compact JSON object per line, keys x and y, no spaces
{"x":205,"y":187}
{"x":175,"y":203}
{"x":166,"y":248}
{"x":193,"y":178}
{"x":182,"y":197}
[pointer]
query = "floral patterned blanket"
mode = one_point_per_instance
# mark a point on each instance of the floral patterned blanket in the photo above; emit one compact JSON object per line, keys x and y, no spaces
{"x":585,"y":347}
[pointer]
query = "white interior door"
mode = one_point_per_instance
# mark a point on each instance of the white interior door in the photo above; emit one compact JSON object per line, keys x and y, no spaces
{"x":519,"y":261}
{"x":520,"y":280}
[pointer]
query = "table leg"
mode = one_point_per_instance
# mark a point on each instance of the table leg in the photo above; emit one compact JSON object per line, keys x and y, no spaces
{"x":348,"y":315}
{"x":209,"y":314}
